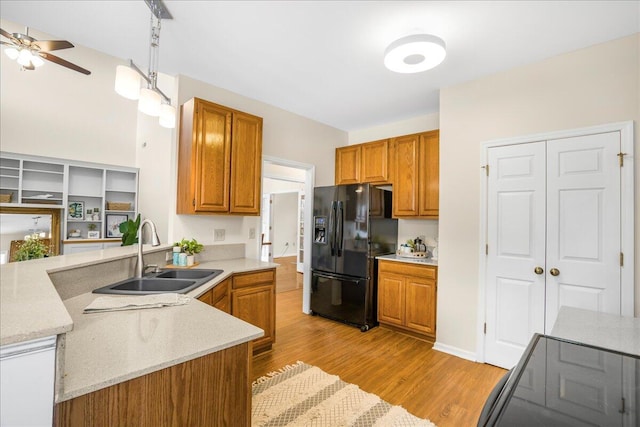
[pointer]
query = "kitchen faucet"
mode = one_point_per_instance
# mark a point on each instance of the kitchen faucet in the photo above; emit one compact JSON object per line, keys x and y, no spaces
{"x":155,"y":241}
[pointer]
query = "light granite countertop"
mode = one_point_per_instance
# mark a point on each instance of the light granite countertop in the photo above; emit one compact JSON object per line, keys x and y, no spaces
{"x":398,"y":258}
{"x":102,"y":349}
{"x":605,"y":330}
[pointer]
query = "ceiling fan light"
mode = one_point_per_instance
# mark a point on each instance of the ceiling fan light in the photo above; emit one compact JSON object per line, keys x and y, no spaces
{"x":127,"y":82}
{"x":24,"y":57}
{"x":415,"y":53}
{"x":167,"y":116}
{"x":12,"y":52}
{"x":149,"y":102}
{"x":37,"y":61}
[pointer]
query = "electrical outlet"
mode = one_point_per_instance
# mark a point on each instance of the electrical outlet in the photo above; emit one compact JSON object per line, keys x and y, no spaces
{"x":218,"y":234}
{"x":168,"y":256}
{"x":252,"y":233}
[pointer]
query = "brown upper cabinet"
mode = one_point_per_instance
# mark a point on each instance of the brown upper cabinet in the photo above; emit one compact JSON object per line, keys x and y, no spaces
{"x":219,"y":160}
{"x":416,"y":180}
{"x":368,"y":162}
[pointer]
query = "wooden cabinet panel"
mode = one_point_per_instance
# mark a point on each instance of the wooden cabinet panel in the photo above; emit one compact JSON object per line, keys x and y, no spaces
{"x":219,"y":160}
{"x":256,"y":305}
{"x":246,"y":166}
{"x":375,"y":162}
{"x":253,"y":299}
{"x":416,"y":179}
{"x":420,"y":305}
{"x":212,"y":390}
{"x":407,"y":297}
{"x":348,"y":164}
{"x":219,"y":297}
{"x":391,"y":299}
{"x":405,"y":182}
{"x":429,"y":188}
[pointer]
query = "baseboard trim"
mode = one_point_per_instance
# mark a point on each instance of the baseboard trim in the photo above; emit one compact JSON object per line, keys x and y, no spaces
{"x":455,"y":351}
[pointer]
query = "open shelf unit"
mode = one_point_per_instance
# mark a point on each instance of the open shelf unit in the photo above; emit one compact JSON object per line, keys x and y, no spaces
{"x":83,"y":191}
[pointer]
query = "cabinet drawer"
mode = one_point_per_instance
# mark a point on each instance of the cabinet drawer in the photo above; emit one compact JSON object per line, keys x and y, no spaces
{"x":408,"y":269}
{"x":250,"y":279}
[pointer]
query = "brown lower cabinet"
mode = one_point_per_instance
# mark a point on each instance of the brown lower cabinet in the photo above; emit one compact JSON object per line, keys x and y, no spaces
{"x":407,"y":298}
{"x":212,"y":390}
{"x":219,"y":296}
{"x":253,"y":299}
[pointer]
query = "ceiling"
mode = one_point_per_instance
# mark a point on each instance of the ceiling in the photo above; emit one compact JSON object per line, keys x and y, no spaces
{"x":324,"y":59}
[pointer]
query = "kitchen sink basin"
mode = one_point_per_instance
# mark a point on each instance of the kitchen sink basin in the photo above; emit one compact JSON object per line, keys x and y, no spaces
{"x":178,"y":281}
{"x":188,"y":274}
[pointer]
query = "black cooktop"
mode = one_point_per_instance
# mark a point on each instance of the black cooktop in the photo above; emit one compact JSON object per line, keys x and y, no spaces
{"x":564,"y":383}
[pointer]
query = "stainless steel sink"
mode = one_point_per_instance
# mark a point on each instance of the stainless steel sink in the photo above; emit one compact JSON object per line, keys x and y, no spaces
{"x":178,"y":281}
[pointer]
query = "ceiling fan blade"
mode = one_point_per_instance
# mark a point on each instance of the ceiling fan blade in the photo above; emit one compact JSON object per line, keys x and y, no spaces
{"x":64,"y":63}
{"x":48,"y":45}
{"x":8,"y":35}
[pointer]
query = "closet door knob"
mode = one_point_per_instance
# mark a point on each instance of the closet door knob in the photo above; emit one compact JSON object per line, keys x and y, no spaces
{"x":554,"y":271}
{"x":538,"y":270}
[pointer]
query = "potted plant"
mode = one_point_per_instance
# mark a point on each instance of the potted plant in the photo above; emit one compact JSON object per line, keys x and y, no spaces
{"x":129,"y":230}
{"x":191,"y":248}
{"x":31,"y":248}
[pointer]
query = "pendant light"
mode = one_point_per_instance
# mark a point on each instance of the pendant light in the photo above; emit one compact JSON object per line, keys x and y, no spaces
{"x":151,"y":100}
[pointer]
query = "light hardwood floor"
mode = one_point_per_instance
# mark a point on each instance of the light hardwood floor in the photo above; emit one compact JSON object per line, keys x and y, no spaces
{"x":400,"y":369}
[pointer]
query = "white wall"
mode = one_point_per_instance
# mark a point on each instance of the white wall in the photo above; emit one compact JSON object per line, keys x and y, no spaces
{"x":56,"y":112}
{"x":591,"y":86}
{"x":417,"y":124}
{"x":285,"y":224}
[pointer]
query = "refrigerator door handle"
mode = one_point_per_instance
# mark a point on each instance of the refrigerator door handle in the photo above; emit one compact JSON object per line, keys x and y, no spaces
{"x":332,"y":228}
{"x":340,"y":228}
{"x":335,"y":276}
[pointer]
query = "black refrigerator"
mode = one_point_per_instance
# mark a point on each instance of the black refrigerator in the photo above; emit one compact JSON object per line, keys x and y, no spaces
{"x":352,"y":225}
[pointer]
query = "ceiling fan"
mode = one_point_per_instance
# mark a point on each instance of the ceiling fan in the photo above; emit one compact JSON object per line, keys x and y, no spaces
{"x":29,"y":52}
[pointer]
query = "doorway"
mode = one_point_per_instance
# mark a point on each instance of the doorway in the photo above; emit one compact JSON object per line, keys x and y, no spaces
{"x":284,"y":219}
{"x":557,"y":216}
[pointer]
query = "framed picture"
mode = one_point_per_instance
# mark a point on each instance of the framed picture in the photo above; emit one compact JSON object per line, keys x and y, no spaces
{"x":113,"y":224}
{"x":93,"y":234}
{"x":76,"y":210}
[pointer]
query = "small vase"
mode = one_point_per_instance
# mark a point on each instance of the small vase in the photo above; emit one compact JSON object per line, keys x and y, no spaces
{"x":191,"y":259}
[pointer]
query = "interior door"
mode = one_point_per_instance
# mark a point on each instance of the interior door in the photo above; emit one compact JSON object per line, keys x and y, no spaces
{"x":583,"y":224}
{"x":553,"y":234}
{"x":516,"y":239}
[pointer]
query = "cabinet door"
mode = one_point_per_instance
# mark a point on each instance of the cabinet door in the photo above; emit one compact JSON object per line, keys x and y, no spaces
{"x":207,"y":297}
{"x":220,"y":297}
{"x":256,"y":305}
{"x":429,"y":184}
{"x":391,"y":299}
{"x":421,"y":305}
{"x":405,"y":182}
{"x":246,"y":166}
{"x":375,"y":162}
{"x":348,"y":164}
{"x":212,"y":157}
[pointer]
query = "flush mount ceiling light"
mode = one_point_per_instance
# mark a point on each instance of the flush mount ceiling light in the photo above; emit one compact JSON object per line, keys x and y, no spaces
{"x":151,"y":100}
{"x":415,"y":53}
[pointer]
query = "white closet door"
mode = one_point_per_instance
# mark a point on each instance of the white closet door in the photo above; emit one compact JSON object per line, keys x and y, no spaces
{"x":516,"y":237}
{"x":583,"y":224}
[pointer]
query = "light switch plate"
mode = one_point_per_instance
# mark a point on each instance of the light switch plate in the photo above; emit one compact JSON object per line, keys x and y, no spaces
{"x":252,"y":233}
{"x":218,"y":234}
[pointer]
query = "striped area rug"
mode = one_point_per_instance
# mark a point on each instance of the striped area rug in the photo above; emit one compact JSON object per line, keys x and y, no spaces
{"x":305,"y":395}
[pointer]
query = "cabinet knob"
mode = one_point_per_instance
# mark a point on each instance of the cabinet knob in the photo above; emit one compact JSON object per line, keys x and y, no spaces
{"x":554,"y":272}
{"x":538,"y":270}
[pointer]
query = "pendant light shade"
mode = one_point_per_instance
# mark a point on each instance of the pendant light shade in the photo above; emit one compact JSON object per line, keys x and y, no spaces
{"x":127,"y":82}
{"x":415,"y":53}
{"x":167,"y":116}
{"x":12,"y":52}
{"x":149,"y":102}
